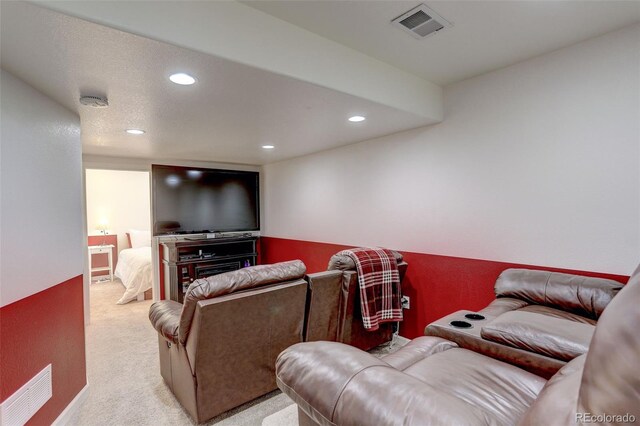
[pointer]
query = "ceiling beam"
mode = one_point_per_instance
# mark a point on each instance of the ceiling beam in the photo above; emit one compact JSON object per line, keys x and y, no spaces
{"x":237,"y":32}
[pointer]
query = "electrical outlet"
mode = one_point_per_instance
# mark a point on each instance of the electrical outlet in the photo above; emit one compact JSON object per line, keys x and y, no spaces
{"x":406,"y":302}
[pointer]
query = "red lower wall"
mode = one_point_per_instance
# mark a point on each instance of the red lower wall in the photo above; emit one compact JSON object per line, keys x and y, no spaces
{"x":45,"y":328}
{"x":437,"y":285}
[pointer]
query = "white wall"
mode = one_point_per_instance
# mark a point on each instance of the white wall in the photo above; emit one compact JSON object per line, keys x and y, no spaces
{"x":536,"y":163}
{"x":42,"y":226}
{"x":119,"y":197}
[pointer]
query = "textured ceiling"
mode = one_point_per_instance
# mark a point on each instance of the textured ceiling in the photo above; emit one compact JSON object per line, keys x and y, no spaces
{"x":486,"y":35}
{"x":234,"y":108}
{"x":225,"y":117}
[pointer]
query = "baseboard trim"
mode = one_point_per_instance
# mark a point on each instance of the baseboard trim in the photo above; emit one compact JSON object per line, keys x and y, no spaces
{"x":65,"y":417}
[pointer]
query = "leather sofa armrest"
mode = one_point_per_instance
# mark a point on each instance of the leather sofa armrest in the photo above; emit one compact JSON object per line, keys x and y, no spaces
{"x":314,"y":374}
{"x":336,"y":384}
{"x":324,"y":306}
{"x":470,"y":338}
{"x":165,"y":318}
{"x":553,"y":337}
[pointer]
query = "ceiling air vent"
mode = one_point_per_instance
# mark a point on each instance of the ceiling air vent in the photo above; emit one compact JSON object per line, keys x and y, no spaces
{"x":94,"y":101}
{"x":421,"y":21}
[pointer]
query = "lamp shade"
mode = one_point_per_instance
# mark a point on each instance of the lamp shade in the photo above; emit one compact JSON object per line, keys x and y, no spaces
{"x":102,"y":226}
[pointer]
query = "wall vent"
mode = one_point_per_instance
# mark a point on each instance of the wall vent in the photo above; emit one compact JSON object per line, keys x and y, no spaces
{"x":22,"y":405}
{"x":421,"y":21}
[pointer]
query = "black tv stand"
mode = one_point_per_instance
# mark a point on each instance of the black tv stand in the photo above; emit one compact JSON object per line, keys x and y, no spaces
{"x":186,"y":260}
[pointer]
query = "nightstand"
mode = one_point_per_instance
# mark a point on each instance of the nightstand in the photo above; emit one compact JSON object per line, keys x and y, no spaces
{"x":107,"y":249}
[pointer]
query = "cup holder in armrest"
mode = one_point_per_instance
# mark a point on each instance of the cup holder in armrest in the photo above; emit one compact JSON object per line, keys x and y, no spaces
{"x":460,"y":324}
{"x":474,"y":317}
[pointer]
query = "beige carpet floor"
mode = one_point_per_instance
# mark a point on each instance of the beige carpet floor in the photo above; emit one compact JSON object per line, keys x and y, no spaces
{"x":125,"y":386}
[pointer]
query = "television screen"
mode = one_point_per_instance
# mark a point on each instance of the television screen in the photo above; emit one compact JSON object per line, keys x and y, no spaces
{"x":196,"y":200}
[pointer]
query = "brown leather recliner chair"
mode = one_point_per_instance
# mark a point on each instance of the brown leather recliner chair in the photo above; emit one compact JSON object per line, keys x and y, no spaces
{"x":218,"y":350}
{"x":324,"y":306}
{"x":538,"y":321}
{"x":431,"y":381}
{"x":351,"y":331}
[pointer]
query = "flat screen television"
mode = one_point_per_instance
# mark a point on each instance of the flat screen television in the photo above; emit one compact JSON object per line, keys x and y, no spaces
{"x":192,"y":200}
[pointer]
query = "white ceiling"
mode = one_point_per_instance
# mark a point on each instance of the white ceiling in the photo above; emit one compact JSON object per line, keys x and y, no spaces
{"x":235,"y":108}
{"x":225,"y":117}
{"x":486,"y":35}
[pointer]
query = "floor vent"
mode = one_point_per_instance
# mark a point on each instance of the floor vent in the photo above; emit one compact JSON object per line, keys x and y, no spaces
{"x":22,"y":405}
{"x":421,"y":21}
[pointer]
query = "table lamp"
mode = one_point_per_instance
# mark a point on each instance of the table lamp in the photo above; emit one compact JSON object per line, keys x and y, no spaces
{"x":102,"y":227}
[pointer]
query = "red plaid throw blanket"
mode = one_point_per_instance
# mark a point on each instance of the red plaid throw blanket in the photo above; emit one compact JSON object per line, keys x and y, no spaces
{"x":379,"y":285}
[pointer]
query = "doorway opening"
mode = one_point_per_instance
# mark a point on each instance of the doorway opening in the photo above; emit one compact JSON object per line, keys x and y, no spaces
{"x":119,"y":235}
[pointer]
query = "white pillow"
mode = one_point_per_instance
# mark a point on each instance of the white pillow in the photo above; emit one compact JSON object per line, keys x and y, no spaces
{"x":140,"y":238}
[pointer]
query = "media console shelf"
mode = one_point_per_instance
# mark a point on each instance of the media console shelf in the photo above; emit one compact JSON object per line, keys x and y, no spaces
{"x":184,"y":261}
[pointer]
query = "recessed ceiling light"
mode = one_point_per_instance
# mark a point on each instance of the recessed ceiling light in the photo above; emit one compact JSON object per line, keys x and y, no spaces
{"x":182,"y":78}
{"x":268,"y":146}
{"x":194,"y":174}
{"x":173,"y":181}
{"x":356,"y":118}
{"x":135,"y":131}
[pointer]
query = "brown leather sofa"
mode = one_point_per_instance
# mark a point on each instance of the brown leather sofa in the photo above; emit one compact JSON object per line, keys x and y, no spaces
{"x":218,"y":349}
{"x":323,"y":306}
{"x":432,"y":381}
{"x":539,"y":320}
{"x":351,"y":331}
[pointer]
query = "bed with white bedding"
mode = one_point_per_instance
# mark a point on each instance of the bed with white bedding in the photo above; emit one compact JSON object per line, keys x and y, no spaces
{"x":134,"y":270}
